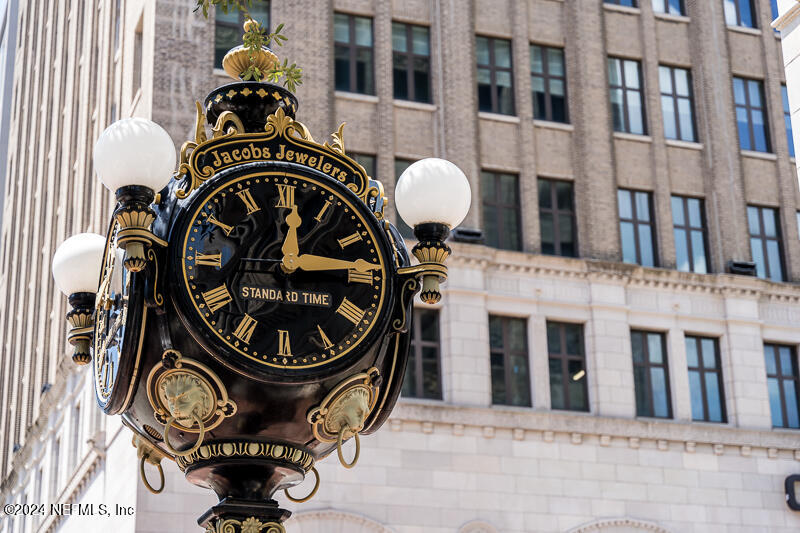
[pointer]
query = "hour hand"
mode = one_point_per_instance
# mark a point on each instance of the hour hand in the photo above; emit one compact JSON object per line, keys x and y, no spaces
{"x":290,"y":246}
{"x":310,"y":263}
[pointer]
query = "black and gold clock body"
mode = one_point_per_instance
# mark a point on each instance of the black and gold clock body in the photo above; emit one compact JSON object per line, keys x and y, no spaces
{"x":120,"y":316}
{"x":280,"y":273}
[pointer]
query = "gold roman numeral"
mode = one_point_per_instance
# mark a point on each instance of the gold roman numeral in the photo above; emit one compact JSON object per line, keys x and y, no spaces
{"x":245,"y":329}
{"x":226,"y":228}
{"x":213,"y":260}
{"x":322,"y":211}
{"x":217,"y":298}
{"x":350,"y":311}
{"x":354,"y":276}
{"x":350,"y":239}
{"x":251,"y":205}
{"x":284,"y":346}
{"x":326,"y":342}
{"x":286,"y":196}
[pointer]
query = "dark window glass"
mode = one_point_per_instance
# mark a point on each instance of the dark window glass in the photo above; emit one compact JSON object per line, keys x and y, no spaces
{"x":228,"y":27}
{"x":688,"y":225}
{"x":557,"y":218}
{"x":509,"y":361}
{"x":568,"y":388}
{"x":740,"y":13}
{"x":751,"y":115}
{"x":636,"y":227}
{"x":774,"y":5}
{"x":627,"y":105}
{"x":353,"y":54}
{"x":628,"y":3}
{"x":367,"y":161}
{"x":495,"y":76}
{"x":423,"y":369}
{"x":670,"y":7}
{"x":782,"y":385}
{"x":677,"y":103}
{"x":651,"y":374}
{"x":705,"y":379}
{"x":411,"y":62}
{"x":765,"y":241}
{"x":549,"y":83}
{"x":501,"y":210}
{"x":405,"y":230}
{"x":787,"y":119}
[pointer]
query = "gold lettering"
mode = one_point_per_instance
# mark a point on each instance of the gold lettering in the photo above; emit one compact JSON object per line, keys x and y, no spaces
{"x":214,"y":260}
{"x":326,"y":168}
{"x":280,"y":154}
{"x":285,"y":196}
{"x":354,"y":276}
{"x":350,"y":311}
{"x":324,"y":208}
{"x":217,"y":161}
{"x":255,"y":151}
{"x":226,"y":228}
{"x":289,"y":155}
{"x":245,"y":329}
{"x":245,"y":196}
{"x":226,"y":157}
{"x":326,"y":342}
{"x":235,"y":155}
{"x":284,"y":346}
{"x":312,"y":161}
{"x":350,"y":239}
{"x":300,"y":158}
{"x":217,"y":298}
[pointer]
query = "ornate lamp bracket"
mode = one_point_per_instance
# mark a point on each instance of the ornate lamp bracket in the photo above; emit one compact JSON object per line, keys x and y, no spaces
{"x":432,"y":252}
{"x":135,"y":217}
{"x":81,"y":321}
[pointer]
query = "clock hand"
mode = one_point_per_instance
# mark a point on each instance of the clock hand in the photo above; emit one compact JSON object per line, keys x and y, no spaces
{"x":290,"y":246}
{"x":310,"y":262}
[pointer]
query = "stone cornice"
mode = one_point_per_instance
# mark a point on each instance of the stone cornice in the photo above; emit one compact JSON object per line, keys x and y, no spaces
{"x":784,"y":20}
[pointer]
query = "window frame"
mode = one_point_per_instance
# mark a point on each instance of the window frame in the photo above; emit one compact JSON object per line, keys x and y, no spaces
{"x":666,"y":11}
{"x":763,"y":237}
{"x":648,"y":365}
{"x":493,"y":68}
{"x":546,"y":76}
{"x":787,"y":118}
{"x":237,"y":26}
{"x":702,"y":371}
{"x":634,"y":3}
{"x":781,"y":377}
{"x":749,"y":107}
{"x":688,"y":228}
{"x":753,"y":14}
{"x":555,"y":212}
{"x":353,"y":49}
{"x":676,"y":98}
{"x":416,"y":345}
{"x":624,"y":87}
{"x":564,"y":358}
{"x":410,"y":55}
{"x":636,"y":223}
{"x":495,"y":202}
{"x":507,"y":352}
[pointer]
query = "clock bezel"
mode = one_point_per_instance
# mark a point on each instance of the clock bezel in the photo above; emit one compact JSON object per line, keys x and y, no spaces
{"x":130,"y":352}
{"x":219,"y":350}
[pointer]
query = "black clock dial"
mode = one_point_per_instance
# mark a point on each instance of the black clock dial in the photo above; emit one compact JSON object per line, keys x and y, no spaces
{"x":282,"y":269}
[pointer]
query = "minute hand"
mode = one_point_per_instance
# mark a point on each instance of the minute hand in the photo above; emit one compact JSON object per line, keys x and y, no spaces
{"x":309,"y":263}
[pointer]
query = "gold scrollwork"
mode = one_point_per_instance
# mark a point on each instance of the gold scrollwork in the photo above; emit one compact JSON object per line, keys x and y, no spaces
{"x":248,"y":449}
{"x":230,"y":119}
{"x":158,"y":298}
{"x":342,"y":413}
{"x":406,"y":293}
{"x":338,"y":140}
{"x":249,"y":525}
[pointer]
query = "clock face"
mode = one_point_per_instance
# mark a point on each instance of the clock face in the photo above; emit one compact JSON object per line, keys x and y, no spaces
{"x":117,"y":332}
{"x":281,"y":270}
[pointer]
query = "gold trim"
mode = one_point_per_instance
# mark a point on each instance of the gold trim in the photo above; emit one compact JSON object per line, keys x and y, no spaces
{"x":408,"y":290}
{"x":342,"y":413}
{"x":249,"y":525}
{"x":338,"y":140}
{"x":264,"y":450}
{"x":224,"y":118}
{"x":158,"y":298}
{"x":237,"y":61}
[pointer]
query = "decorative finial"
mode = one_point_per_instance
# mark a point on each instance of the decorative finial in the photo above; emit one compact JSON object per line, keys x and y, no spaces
{"x":237,"y":61}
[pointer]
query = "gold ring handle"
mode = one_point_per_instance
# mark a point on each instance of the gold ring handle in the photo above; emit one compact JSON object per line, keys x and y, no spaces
{"x":310,"y":494}
{"x":144,"y":477}
{"x":170,"y":421}
{"x":339,"y":448}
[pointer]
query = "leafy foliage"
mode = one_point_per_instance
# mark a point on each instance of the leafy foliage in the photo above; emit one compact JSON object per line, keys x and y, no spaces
{"x":255,"y":38}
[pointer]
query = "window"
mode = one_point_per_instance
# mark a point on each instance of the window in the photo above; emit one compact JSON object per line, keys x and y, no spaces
{"x":367,"y":161}
{"x":495,"y":77}
{"x":784,"y":404}
{"x":557,"y":218}
{"x":627,"y":106}
{"x":650,"y":374}
{"x":705,"y":379}
{"x":677,"y":104}
{"x":423,"y":369}
{"x":353,"y":54}
{"x":765,"y":242}
{"x":138,"y":37}
{"x":509,"y":361}
{"x":411,"y":62}
{"x":787,"y":119}
{"x":400,"y":165}
{"x":628,"y":3}
{"x":670,"y":7}
{"x":76,"y":434}
{"x":228,"y":27}
{"x":688,"y":223}
{"x":739,"y":13}
{"x":774,"y":5}
{"x":56,"y":469}
{"x":636,"y":227}
{"x":501,"y":211}
{"x":751,"y":118}
{"x":549,"y":83}
{"x":567,"y":367}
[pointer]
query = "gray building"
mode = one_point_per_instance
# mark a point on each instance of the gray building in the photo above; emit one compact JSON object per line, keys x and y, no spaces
{"x":619,"y":354}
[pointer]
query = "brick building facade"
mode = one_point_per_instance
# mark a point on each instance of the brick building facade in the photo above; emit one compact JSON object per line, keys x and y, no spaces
{"x":594,"y":365}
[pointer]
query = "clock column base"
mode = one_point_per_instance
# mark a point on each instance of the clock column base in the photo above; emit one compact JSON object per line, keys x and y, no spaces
{"x":233,"y":515}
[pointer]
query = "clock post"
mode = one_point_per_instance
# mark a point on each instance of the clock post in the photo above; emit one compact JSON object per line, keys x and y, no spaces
{"x":249,"y":312}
